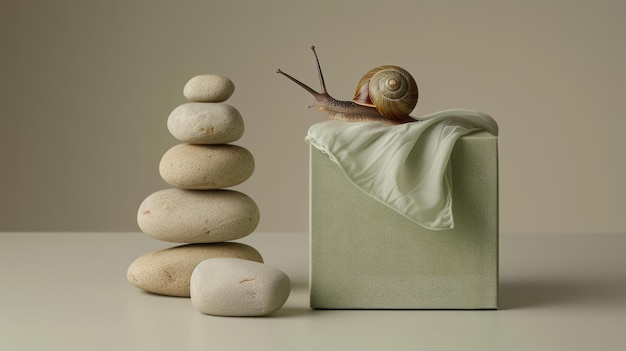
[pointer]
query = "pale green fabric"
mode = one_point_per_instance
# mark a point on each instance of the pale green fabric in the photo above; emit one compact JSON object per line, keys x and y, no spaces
{"x":405,"y":167}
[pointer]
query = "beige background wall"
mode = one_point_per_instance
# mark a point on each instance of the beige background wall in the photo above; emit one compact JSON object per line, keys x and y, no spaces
{"x":87,"y":87}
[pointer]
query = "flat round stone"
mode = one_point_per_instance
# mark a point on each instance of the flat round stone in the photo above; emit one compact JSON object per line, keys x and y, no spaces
{"x":168,"y":271}
{"x":205,"y":123}
{"x":208,"y":88}
{"x":191,"y":166}
{"x":235,"y":287}
{"x":193,"y":216}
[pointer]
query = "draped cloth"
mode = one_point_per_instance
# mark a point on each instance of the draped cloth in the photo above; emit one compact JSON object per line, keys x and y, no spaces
{"x":405,"y":167}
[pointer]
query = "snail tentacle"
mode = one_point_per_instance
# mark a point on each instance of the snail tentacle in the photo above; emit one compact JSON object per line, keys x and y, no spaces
{"x":319,"y":72}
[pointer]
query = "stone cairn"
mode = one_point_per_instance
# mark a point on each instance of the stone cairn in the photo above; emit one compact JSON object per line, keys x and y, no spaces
{"x":204,"y":216}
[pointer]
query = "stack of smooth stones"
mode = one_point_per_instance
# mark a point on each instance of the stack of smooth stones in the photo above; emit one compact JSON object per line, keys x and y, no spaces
{"x":221,"y":277}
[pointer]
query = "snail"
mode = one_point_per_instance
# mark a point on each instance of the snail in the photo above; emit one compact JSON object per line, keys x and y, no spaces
{"x":385,"y":94}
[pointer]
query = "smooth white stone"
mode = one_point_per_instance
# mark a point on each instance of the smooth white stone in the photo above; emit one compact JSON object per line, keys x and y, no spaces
{"x":205,"y":123}
{"x":191,"y":216}
{"x":235,"y":287}
{"x":168,"y":271}
{"x":208,"y":88}
{"x":191,"y":166}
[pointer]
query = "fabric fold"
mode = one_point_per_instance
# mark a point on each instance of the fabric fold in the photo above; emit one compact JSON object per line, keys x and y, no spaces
{"x":405,"y":167}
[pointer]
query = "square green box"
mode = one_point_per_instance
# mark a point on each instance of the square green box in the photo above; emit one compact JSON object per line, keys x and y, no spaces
{"x":366,"y":256}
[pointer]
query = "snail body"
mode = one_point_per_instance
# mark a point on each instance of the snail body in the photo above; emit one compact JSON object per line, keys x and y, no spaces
{"x":385,"y":94}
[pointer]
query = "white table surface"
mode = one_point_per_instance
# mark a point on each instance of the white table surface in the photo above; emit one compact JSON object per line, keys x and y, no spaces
{"x":68,"y":291}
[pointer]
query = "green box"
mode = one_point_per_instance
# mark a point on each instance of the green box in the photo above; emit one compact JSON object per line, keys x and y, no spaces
{"x":366,"y":256}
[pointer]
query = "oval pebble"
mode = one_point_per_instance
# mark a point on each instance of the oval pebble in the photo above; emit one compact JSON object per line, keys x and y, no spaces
{"x":205,"y":123}
{"x":191,"y":166}
{"x":191,"y":216}
{"x":235,"y":287}
{"x":168,"y":271}
{"x":208,"y":88}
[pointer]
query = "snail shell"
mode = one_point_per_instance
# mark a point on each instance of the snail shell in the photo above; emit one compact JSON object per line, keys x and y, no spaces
{"x":390,"y":89}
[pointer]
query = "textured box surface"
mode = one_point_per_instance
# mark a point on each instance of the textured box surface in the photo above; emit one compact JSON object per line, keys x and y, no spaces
{"x":366,"y":256}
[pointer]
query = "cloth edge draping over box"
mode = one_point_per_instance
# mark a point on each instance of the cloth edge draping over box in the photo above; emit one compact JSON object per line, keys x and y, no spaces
{"x":405,"y":167}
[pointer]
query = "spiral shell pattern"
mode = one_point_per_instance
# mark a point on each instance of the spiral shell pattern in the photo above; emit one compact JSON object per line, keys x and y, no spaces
{"x":390,"y":89}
